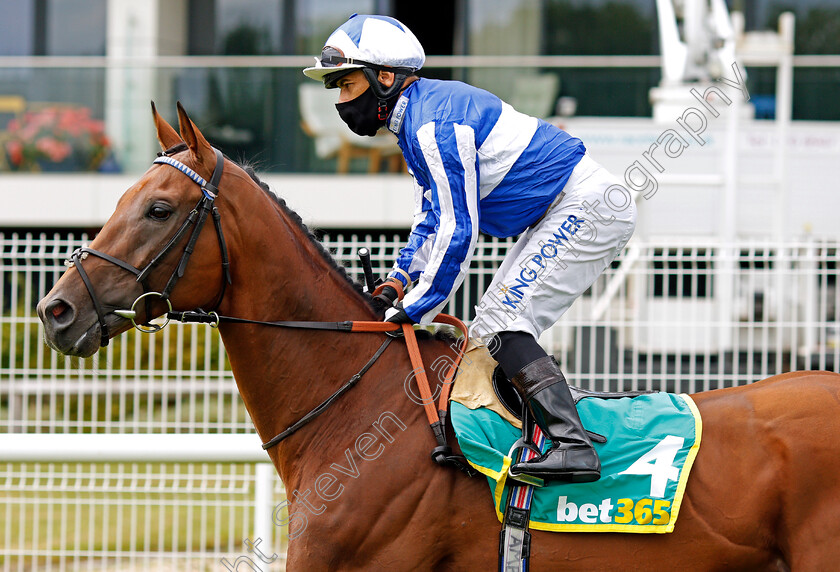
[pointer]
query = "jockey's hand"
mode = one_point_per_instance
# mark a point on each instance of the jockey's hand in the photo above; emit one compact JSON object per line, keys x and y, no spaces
{"x":389,"y":292}
{"x":397,"y":315}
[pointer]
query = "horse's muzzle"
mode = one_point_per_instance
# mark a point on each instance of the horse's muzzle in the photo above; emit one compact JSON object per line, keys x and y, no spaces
{"x":64,"y":331}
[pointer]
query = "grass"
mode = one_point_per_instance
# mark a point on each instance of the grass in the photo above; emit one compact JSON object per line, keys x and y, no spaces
{"x":109,"y":511}
{"x":177,"y":380}
{"x":118,"y":516}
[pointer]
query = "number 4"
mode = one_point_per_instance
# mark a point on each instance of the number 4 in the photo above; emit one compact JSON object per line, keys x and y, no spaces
{"x":659,"y":464}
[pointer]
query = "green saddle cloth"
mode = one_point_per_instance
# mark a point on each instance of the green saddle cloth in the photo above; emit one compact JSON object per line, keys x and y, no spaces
{"x":652,"y":441}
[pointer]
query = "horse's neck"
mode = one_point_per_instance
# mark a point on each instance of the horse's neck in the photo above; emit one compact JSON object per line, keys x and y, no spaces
{"x":284,"y":373}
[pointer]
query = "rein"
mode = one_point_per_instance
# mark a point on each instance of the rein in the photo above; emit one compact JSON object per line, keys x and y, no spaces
{"x":441,"y":454}
{"x":436,"y":415}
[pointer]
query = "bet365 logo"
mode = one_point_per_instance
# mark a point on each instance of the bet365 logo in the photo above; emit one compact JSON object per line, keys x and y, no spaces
{"x":628,"y":511}
{"x":653,"y":509}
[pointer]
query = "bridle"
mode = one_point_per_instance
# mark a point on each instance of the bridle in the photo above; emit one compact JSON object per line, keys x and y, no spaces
{"x":196,"y":219}
{"x":442,"y":454}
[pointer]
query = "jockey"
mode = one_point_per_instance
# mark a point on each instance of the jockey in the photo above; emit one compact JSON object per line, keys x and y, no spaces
{"x":480,"y":165}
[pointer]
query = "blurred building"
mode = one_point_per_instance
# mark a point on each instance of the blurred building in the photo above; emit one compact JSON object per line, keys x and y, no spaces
{"x":731,"y":276}
{"x":588,"y":65}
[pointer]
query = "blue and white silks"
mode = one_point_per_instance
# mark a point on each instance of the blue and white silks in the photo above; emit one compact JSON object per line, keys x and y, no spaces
{"x":478,"y":164}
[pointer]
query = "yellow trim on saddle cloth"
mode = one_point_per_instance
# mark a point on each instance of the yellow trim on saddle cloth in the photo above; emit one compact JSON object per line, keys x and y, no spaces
{"x":629,"y":528}
{"x":689,"y":460}
{"x":495,"y":475}
{"x":473,"y":389}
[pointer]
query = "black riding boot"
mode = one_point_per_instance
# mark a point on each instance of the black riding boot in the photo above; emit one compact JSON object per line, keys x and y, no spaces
{"x":571,"y":457}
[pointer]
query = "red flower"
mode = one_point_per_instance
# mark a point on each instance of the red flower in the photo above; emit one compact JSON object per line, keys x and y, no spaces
{"x":56,"y":150}
{"x":15,"y":150}
{"x":55,"y":134}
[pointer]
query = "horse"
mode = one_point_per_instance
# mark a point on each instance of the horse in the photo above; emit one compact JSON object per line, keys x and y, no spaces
{"x":363,"y":493}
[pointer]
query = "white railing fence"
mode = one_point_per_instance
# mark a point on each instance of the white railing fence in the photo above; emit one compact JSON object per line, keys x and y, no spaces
{"x":669,"y":314}
{"x":675,"y":314}
{"x":177,"y":381}
{"x":137,"y":516}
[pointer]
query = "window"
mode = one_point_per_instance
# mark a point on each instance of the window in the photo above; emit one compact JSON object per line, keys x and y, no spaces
{"x":17,"y":28}
{"x":235,"y":27}
{"x":623,"y":27}
{"x":316,"y":19}
{"x":75,"y":27}
{"x":52,"y":27}
{"x":262,"y":27}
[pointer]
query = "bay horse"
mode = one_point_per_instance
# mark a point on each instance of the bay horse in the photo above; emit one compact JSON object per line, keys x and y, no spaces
{"x":764,"y":493}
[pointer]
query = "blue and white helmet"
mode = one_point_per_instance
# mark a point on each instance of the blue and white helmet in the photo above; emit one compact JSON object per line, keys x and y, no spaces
{"x":368,"y":42}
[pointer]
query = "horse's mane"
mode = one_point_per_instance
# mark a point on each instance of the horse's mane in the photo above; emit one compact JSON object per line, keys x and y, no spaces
{"x":442,"y":334}
{"x":376,"y":305}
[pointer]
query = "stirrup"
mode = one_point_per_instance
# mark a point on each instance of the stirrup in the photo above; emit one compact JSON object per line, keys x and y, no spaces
{"x":566,"y":474}
{"x":526,"y":441}
{"x":523,"y":443}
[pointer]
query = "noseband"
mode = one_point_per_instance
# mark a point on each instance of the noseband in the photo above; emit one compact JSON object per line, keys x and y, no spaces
{"x":196,"y":219}
{"x":442,"y":454}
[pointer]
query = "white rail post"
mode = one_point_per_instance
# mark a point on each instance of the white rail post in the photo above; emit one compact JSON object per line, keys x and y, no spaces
{"x":263,"y":506}
{"x":727,"y":256}
{"x":784,"y":110}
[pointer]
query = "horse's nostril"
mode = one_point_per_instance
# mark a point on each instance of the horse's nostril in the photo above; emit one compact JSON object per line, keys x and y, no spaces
{"x":60,"y":311}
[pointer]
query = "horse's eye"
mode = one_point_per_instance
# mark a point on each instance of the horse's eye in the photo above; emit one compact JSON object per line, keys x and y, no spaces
{"x":159,"y":213}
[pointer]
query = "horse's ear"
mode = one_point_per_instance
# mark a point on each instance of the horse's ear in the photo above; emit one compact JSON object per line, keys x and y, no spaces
{"x":200,"y":149}
{"x":167,"y":136}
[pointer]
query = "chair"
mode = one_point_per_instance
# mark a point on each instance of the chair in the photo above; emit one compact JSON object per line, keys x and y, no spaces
{"x":535,"y":95}
{"x":320,"y":121}
{"x":13,"y":104}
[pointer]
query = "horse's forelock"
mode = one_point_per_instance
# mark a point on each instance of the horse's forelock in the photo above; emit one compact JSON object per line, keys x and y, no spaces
{"x":175,"y":149}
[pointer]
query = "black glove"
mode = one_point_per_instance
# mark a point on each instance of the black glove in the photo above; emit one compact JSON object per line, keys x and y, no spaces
{"x":397,"y":315}
{"x":388,"y":295}
{"x":387,"y":292}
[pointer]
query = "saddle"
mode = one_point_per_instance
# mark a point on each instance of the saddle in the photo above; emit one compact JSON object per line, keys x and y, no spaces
{"x":513,"y":402}
{"x":647,"y":445}
{"x":471,"y":384}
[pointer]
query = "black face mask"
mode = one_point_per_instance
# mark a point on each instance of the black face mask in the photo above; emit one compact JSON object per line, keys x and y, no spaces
{"x":362,"y":113}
